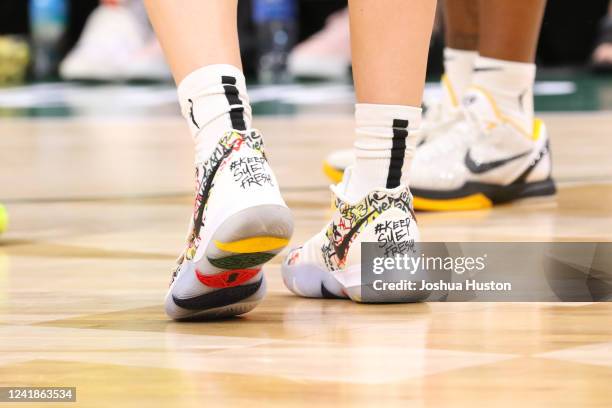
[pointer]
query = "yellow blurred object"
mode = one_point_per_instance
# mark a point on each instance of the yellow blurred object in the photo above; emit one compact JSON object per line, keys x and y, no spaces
{"x":3,"y":219}
{"x":14,"y":59}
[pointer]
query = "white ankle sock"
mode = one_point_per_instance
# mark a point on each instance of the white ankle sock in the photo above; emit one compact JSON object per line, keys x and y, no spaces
{"x":458,"y":66}
{"x":214,"y":100}
{"x":383,"y":151}
{"x":510,"y":84}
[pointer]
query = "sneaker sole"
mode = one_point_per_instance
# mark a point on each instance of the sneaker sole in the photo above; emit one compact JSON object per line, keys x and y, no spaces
{"x":239,"y":247}
{"x":350,"y":280}
{"x":344,"y":284}
{"x":238,"y":304}
{"x":478,"y":196}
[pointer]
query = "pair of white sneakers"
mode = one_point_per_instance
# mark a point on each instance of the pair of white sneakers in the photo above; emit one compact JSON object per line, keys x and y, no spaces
{"x":240,"y":222}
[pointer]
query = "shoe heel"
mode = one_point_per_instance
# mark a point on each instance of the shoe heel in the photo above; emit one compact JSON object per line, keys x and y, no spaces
{"x":222,"y":303}
{"x":250,"y":237}
{"x":370,"y":292}
{"x":538,"y":189}
{"x":236,"y":252}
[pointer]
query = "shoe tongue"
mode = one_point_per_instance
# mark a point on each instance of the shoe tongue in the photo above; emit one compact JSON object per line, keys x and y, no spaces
{"x":480,"y":109}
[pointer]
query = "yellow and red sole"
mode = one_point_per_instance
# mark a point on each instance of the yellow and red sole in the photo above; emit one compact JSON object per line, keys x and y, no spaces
{"x":253,"y":245}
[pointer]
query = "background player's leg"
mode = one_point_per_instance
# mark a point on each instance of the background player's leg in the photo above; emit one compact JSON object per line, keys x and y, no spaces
{"x":509,"y":31}
{"x":510,"y":28}
{"x":461,"y":35}
{"x":601,"y":59}
{"x":461,"y":27}
{"x":188,"y":42}
{"x":243,"y":221}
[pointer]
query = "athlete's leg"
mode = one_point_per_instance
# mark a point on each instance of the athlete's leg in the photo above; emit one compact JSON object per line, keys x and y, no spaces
{"x":189,"y":43}
{"x":461,"y":35}
{"x":389,"y":82}
{"x":390,"y":43}
{"x":240,"y":220}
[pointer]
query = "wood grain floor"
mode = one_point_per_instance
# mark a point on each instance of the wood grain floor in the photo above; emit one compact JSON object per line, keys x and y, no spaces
{"x":99,"y":210}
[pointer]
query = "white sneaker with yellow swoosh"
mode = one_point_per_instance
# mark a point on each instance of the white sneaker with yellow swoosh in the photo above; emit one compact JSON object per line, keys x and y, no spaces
{"x":483,"y":160}
{"x":329,"y":264}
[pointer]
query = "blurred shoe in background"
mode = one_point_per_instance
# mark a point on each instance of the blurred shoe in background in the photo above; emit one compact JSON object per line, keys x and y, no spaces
{"x":601,"y":60}
{"x":336,"y":162}
{"x":148,"y":63}
{"x":326,"y":54}
{"x":14,"y":60}
{"x":116,"y":44}
{"x":3,"y":219}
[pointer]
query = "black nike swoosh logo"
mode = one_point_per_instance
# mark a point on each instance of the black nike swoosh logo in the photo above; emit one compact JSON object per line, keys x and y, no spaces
{"x":218,"y":298}
{"x":342,"y":248}
{"x":479,"y":168}
{"x":206,"y":192}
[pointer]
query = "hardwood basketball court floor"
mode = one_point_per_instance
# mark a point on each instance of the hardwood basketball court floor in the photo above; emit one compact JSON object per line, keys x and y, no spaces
{"x":99,"y":210}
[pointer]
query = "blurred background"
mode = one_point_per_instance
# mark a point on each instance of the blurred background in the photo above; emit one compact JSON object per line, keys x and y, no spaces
{"x":73,"y":57}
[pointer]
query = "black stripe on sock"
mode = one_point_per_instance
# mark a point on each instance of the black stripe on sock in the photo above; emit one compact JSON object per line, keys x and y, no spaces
{"x":232,"y":95}
{"x":398,"y":151}
{"x":236,"y":115}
